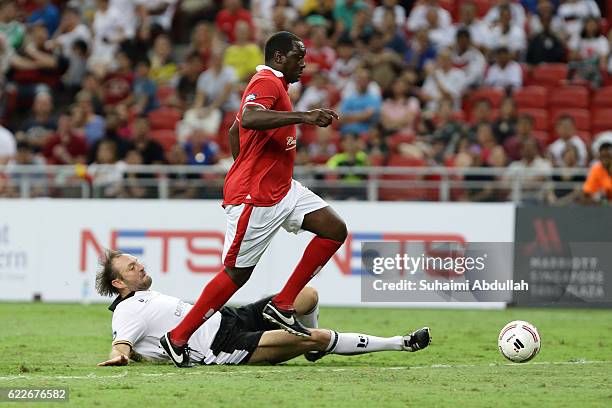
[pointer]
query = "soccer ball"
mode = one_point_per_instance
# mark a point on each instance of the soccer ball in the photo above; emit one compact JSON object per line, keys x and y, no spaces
{"x":519,"y":341}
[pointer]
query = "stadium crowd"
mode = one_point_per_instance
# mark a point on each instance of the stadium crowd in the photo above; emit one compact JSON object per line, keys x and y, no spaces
{"x":470,"y":83}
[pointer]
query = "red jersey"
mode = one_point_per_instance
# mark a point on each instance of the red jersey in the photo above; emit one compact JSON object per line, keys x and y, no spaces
{"x":226,"y":22}
{"x":262,"y":173}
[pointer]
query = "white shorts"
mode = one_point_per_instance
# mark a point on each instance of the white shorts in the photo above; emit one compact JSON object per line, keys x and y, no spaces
{"x":250,"y":229}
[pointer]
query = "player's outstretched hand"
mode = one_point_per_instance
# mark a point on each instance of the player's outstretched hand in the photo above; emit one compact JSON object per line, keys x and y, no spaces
{"x":320,"y":117}
{"x":116,"y":361}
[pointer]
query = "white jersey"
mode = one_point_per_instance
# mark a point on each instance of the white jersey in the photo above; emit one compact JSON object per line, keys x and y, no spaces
{"x":142,"y":318}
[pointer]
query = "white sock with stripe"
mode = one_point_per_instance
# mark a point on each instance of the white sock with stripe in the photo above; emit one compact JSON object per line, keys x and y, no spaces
{"x":310,"y":319}
{"x":357,"y":343}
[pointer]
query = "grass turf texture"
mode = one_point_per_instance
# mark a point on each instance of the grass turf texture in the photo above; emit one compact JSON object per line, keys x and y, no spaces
{"x":40,"y":343}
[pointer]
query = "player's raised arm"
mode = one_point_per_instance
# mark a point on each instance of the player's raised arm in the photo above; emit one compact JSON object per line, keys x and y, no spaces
{"x":119,"y":355}
{"x":257,"y":118}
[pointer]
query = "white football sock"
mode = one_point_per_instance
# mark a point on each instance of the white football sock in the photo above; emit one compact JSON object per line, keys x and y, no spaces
{"x":356,"y":343}
{"x":310,"y":319}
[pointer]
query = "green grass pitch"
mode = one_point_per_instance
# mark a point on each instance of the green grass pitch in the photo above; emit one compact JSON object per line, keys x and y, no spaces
{"x":58,"y":345}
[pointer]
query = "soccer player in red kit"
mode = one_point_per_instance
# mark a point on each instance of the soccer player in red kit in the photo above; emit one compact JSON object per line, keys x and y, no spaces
{"x":260,"y":197}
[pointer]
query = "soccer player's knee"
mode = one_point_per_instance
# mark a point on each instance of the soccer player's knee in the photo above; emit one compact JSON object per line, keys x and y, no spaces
{"x":341,"y":231}
{"x":239,"y":275}
{"x":312,"y":296}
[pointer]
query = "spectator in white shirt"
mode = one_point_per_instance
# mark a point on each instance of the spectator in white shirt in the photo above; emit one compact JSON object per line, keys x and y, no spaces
{"x":573,"y":13}
{"x":8,"y":145}
{"x":505,"y":73}
{"x":69,"y":31}
{"x":440,"y":35}
{"x":506,"y":34}
{"x":417,"y":19}
{"x":566,"y":131}
{"x":443,"y":81}
{"x":589,"y":53}
{"x":533,"y":170}
{"x":468,"y":58}
{"x":347,"y":62}
{"x":591,"y":44}
{"x":161,"y":12}
{"x":108,"y":32}
{"x":316,"y":95}
{"x":128,"y":10}
{"x":517,"y":13}
{"x":379,"y":14}
{"x":479,"y":32}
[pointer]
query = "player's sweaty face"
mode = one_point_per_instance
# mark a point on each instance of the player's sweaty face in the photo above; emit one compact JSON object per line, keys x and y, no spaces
{"x":294,"y":64}
{"x":132,"y":273}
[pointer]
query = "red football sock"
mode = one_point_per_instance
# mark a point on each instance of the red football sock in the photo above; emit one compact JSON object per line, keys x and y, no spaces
{"x":316,"y":255}
{"x":216,"y":293}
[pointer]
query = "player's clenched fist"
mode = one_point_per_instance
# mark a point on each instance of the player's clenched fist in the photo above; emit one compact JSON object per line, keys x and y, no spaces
{"x":320,"y":117}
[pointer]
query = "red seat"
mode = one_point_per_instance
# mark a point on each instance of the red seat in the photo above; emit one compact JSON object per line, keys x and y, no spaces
{"x":394,"y":141}
{"x":164,"y":118}
{"x":569,"y":97}
{"x":493,"y":95}
{"x":582,"y":117}
{"x":602,"y":120}
{"x":165,"y":94}
{"x":493,"y":116}
{"x":308,"y":134}
{"x":540,"y":117}
{"x":165,"y":137}
{"x":396,"y":192}
{"x":533,"y":96}
{"x":223,"y":135}
{"x":603,"y":98}
{"x":459,"y":116}
{"x":376,"y":160}
{"x":482,"y":7}
{"x":549,"y":75}
{"x":541,"y":136}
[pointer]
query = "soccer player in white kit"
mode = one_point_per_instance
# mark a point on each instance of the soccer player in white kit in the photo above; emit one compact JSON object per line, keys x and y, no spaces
{"x":233,"y":335}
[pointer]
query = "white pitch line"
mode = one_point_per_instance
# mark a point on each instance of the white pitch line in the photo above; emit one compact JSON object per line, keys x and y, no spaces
{"x":202,"y":371}
{"x":89,"y":376}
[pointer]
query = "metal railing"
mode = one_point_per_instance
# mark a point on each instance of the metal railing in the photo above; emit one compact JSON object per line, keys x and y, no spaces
{"x":364,"y":183}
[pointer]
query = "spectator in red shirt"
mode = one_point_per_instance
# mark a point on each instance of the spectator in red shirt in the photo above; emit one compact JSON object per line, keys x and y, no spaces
{"x":486,"y":140}
{"x":118,"y":83}
{"x":227,"y":18}
{"x":65,"y":146}
{"x":34,"y":64}
{"x":524,"y":132}
{"x":320,"y":56}
{"x":203,"y":40}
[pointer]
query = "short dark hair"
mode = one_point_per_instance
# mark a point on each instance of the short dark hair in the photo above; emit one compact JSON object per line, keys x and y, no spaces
{"x":72,"y":10}
{"x":463,"y":32}
{"x":194,"y":55}
{"x":604,"y":146}
{"x":23,"y":145}
{"x":502,"y":50}
{"x":107,"y":273}
{"x":281,"y":42}
{"x":4,"y":3}
{"x":80,"y":46}
{"x":527,"y":117}
{"x":565,"y":117}
{"x":144,"y":61}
